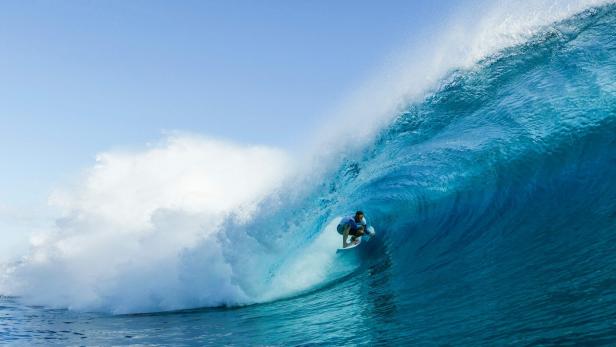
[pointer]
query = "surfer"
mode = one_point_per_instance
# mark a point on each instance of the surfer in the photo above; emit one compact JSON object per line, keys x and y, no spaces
{"x":352,"y":225}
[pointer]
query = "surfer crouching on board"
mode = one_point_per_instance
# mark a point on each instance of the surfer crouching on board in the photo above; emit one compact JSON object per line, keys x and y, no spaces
{"x":352,"y":225}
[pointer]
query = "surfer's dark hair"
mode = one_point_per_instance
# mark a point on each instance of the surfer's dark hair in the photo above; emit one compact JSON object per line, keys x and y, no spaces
{"x":360,"y":212}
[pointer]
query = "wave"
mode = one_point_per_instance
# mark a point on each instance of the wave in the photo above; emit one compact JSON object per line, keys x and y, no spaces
{"x":494,"y":176}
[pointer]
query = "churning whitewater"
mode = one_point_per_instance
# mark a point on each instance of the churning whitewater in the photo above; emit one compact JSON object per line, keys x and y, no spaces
{"x":492,"y":189}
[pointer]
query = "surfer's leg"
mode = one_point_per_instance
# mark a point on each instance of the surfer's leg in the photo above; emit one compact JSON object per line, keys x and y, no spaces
{"x":345,"y":235}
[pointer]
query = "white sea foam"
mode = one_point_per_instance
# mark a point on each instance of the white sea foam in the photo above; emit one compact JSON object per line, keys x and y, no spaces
{"x":126,"y":226}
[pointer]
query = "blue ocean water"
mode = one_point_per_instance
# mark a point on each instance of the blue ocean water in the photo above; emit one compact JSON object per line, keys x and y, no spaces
{"x":495,"y":205}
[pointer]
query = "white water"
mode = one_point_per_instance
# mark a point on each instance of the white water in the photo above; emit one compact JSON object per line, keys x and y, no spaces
{"x":119,"y":242}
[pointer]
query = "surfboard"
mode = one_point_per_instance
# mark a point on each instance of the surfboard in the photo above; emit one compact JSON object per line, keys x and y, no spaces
{"x":339,"y":250}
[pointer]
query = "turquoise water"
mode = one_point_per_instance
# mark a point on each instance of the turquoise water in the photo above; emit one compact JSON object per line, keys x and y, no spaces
{"x":495,"y":204}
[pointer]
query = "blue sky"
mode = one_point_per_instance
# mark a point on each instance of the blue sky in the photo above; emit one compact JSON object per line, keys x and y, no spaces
{"x":82,"y":77}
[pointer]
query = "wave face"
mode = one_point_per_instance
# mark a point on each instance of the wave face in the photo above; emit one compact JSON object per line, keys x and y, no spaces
{"x":495,"y":204}
{"x":496,"y":200}
{"x":497,"y":196}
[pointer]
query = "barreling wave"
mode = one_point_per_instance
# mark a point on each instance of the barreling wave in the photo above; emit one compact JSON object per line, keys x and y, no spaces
{"x":497,"y":194}
{"x":494,"y":198}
